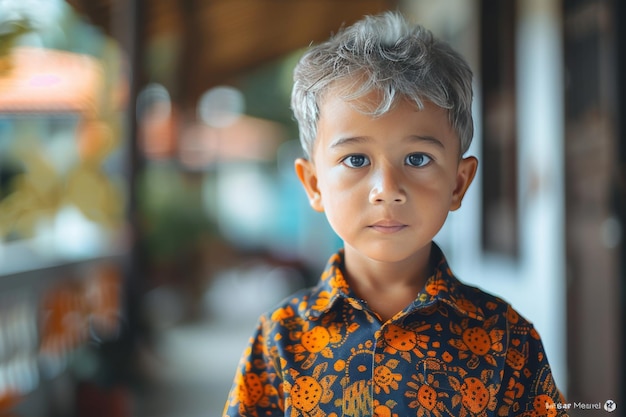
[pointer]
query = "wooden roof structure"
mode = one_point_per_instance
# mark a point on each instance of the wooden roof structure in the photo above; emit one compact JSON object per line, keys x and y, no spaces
{"x":219,"y":39}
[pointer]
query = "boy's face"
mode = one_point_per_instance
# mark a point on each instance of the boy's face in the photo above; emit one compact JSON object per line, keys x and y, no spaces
{"x":387,"y":183}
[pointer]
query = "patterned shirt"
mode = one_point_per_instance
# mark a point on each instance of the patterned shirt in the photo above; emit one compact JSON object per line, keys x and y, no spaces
{"x":454,"y":351}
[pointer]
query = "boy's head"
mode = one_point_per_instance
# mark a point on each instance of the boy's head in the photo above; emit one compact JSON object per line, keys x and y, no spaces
{"x":384,"y":113}
{"x":384,"y":54}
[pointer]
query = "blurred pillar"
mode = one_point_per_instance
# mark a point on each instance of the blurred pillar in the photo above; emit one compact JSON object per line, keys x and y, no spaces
{"x":620,"y":205}
{"x":127,"y":27}
{"x":135,"y":276}
{"x":592,"y":233}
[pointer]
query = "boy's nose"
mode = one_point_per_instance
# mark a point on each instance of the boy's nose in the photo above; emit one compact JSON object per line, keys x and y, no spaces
{"x":386,"y":187}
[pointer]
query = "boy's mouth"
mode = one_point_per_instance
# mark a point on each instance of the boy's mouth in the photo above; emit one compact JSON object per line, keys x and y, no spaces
{"x":387,"y":226}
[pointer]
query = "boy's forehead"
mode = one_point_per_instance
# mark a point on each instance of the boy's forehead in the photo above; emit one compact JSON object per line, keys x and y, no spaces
{"x":335,"y":99}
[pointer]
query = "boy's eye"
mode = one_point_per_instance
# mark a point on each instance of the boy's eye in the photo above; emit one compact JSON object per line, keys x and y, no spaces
{"x":417,"y":159}
{"x":356,"y":161}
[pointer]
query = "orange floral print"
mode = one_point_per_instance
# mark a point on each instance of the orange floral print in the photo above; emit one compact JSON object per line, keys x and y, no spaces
{"x":322,"y":301}
{"x":427,"y":396}
{"x":253,"y":393}
{"x":384,"y":377}
{"x":307,"y":392}
{"x":477,"y":342}
{"x":403,"y":341}
{"x":544,"y":405}
{"x":311,"y":343}
{"x":384,"y":410}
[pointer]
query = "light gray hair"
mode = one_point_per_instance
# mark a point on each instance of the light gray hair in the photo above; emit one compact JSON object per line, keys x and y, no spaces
{"x":384,"y":53}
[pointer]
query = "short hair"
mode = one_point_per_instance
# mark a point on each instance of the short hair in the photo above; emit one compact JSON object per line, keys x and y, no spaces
{"x":384,"y":53}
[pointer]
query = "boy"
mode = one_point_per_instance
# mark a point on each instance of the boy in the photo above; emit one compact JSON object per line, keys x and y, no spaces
{"x":384,"y":111}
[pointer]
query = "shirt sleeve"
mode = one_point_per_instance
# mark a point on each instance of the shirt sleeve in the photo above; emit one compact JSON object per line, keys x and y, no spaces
{"x":531,"y":389}
{"x":257,"y":387}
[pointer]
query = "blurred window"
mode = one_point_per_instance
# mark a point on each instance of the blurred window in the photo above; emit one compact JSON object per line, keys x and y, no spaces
{"x":62,"y":98}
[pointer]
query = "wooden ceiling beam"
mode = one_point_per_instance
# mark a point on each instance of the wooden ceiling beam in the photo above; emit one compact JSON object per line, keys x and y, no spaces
{"x":221,"y":39}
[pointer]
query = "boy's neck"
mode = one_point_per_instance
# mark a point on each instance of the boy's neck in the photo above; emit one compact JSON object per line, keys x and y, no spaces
{"x":387,"y":287}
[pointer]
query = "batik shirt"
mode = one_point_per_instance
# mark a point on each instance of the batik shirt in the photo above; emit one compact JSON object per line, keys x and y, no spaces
{"x":455,"y":351}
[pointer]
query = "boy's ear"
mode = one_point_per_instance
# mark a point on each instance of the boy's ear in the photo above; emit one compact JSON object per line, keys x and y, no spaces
{"x":305,"y":170}
{"x":465,"y":174}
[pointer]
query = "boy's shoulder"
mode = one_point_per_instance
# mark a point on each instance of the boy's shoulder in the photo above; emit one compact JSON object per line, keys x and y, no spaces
{"x":466,"y":299}
{"x":296,"y":305}
{"x":478,"y":303}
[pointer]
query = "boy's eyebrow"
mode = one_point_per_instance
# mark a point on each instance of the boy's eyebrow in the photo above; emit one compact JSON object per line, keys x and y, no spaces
{"x":348,"y":140}
{"x":428,"y":139}
{"x":361,"y":139}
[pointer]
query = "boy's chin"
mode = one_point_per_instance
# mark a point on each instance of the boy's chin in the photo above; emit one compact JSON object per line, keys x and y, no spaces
{"x":389,"y":254}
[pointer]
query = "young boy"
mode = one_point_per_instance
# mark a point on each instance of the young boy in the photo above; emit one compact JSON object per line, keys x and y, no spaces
{"x":384,"y":110}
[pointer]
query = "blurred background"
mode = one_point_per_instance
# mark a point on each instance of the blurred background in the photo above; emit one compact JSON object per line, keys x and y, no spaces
{"x":149,"y":211}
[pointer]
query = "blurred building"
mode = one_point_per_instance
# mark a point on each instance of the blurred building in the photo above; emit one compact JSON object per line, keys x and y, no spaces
{"x":149,"y":211}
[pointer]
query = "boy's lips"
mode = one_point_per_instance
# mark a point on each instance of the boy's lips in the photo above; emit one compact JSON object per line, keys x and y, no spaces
{"x":387,"y":226}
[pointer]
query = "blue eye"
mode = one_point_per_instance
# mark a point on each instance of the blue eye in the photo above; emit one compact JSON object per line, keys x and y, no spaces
{"x":356,"y":161}
{"x":417,"y":160}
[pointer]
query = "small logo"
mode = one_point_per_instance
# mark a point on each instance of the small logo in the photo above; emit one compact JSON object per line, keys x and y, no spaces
{"x":610,"y":406}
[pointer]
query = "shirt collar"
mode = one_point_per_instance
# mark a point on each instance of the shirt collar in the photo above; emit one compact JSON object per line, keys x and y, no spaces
{"x":441,"y":287}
